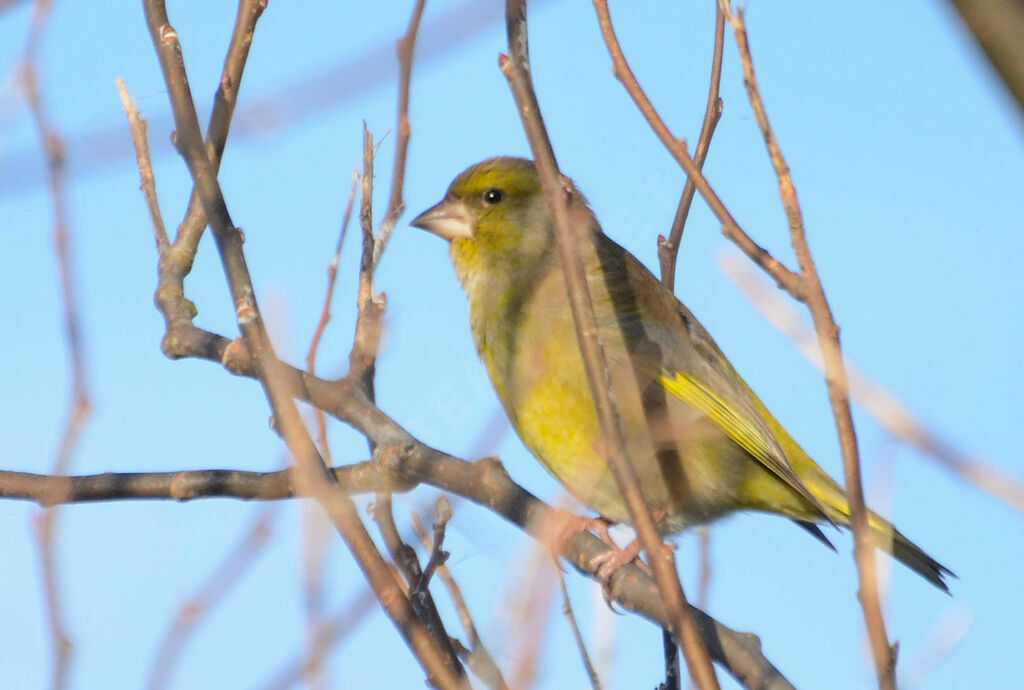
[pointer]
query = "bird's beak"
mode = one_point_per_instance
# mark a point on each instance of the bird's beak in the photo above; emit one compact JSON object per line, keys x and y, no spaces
{"x":449,"y":219}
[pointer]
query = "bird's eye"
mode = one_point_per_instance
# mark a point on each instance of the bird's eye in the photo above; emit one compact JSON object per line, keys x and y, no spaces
{"x":493,"y":196}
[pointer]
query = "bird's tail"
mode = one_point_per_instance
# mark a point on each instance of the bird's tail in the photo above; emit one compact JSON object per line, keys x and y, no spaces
{"x":884,"y":535}
{"x":833,"y":497}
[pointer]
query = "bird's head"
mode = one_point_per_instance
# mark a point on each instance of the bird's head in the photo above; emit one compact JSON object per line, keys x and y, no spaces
{"x":496,"y":217}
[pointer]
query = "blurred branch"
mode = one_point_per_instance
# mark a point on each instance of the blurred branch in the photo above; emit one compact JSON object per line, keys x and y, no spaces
{"x":567,"y":611}
{"x":294,"y":102}
{"x":8,"y":4}
{"x":892,"y":414}
{"x":668,"y":249}
{"x":527,"y":598}
{"x":79,"y":412}
{"x":813,"y":295}
{"x":316,"y":533}
{"x":335,"y":628}
{"x":944,"y":637}
{"x":997,"y":26}
{"x":212,"y":592}
{"x":325,"y":315}
{"x":517,"y":70}
{"x":315,"y":544}
{"x":704,"y":566}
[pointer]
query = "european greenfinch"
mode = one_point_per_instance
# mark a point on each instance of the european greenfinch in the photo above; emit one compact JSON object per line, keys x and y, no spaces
{"x":703,"y":444}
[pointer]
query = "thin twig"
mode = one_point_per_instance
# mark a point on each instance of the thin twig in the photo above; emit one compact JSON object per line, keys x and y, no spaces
{"x":79,"y":407}
{"x":189,"y":485}
{"x":315,"y":544}
{"x":786,"y":279}
{"x":595,"y":682}
{"x":176,"y":258}
{"x":325,"y":312}
{"x":477,"y":656}
{"x":396,"y":203}
{"x":438,"y":556}
{"x":668,"y":249}
{"x":147,"y":182}
{"x":221,"y":581}
{"x":813,"y":295}
{"x":517,"y":71}
{"x":528,"y":600}
{"x":703,"y":578}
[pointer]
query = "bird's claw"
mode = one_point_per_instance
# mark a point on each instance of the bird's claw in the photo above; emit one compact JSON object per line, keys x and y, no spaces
{"x":605,"y":565}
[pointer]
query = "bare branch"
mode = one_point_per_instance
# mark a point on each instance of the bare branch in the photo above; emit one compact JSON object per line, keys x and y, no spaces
{"x":140,"y":138}
{"x":668,"y":249}
{"x":813,"y":295}
{"x":396,"y":203}
{"x":477,"y":657}
{"x":270,"y":370}
{"x":786,"y":278}
{"x":176,"y":259}
{"x":484,"y":482}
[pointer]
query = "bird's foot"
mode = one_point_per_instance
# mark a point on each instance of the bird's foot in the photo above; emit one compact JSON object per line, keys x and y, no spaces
{"x":572,"y":524}
{"x":605,"y":565}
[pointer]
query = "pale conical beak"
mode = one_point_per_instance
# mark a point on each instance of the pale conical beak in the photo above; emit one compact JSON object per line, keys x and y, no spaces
{"x":449,"y":219}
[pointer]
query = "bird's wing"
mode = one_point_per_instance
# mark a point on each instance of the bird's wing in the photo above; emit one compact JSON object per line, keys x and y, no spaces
{"x":687,"y":362}
{"x":747,"y":432}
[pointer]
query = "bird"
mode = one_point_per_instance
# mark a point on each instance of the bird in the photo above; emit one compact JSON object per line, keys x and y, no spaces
{"x":703,"y":444}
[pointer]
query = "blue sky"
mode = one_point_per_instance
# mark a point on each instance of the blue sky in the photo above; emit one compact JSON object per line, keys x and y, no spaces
{"x":907,"y":156}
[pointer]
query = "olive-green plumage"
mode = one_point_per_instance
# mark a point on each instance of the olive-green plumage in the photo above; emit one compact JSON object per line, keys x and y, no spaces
{"x":703,"y":444}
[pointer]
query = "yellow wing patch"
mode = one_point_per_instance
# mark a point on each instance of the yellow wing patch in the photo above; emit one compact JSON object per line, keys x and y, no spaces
{"x":699,"y":397}
{"x":744,"y":433}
